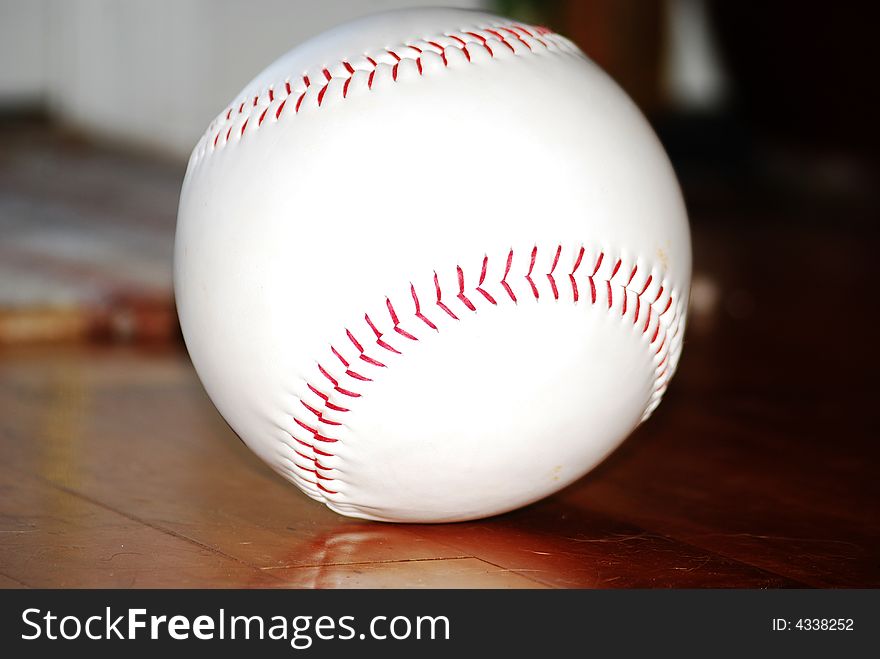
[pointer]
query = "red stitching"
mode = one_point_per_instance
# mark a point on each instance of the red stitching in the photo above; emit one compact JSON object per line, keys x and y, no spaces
{"x":394,"y":319}
{"x":463,"y":45}
{"x":661,"y":336}
{"x":316,"y":450}
{"x":419,"y":314}
{"x":550,"y":274}
{"x":379,"y":335}
{"x":520,"y":33}
{"x":335,"y":383}
{"x":318,"y":436}
{"x":504,"y":279}
{"x":529,"y":276}
{"x":349,"y":71}
{"x":595,"y":270}
{"x":318,"y":393}
{"x":632,"y":275}
{"x":327,"y":375}
{"x":540,"y":30}
{"x":319,"y":414}
{"x":483,"y":41}
{"x":403,"y":332}
{"x":442,"y":51}
{"x":616,"y":268}
{"x":311,"y":409}
{"x":347,"y":392}
{"x":439,"y":297}
{"x":341,"y":358}
{"x":357,"y":376}
{"x":461,"y":296}
{"x":515,"y":34}
{"x":482,"y":280}
{"x":577,"y":263}
{"x":391,"y":311}
{"x":354,"y":341}
{"x":370,"y":360}
{"x":360,"y":349}
{"x":503,"y":40}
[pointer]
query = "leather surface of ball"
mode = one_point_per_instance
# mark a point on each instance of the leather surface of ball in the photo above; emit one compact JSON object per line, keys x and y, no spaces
{"x":432,"y":265}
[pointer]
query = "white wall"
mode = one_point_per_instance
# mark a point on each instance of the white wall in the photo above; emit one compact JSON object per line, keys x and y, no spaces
{"x":23,"y":41}
{"x":153,"y":73}
{"x":694,"y":78}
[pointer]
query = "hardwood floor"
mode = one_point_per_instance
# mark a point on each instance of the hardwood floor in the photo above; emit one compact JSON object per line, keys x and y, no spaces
{"x":758,"y":470}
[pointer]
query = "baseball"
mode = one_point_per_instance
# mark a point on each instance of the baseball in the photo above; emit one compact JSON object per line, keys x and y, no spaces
{"x":432,"y":265}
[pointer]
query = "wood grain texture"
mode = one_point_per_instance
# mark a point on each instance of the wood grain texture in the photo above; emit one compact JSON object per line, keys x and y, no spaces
{"x":758,"y":470}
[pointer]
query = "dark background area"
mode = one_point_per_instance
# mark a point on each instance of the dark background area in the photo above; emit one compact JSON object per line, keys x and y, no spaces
{"x":758,"y":470}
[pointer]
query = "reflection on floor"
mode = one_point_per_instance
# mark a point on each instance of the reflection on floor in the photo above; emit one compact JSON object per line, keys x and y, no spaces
{"x":756,"y":471}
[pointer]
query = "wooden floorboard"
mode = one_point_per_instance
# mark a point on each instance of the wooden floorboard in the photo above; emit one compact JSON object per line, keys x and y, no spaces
{"x":128,"y":434}
{"x":758,"y":470}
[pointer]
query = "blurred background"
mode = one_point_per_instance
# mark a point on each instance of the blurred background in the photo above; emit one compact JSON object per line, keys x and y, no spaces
{"x":758,"y":470}
{"x":101,"y":102}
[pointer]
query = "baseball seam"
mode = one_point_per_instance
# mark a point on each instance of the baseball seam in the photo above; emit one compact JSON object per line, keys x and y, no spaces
{"x":616,"y":286}
{"x":342,"y":376}
{"x":408,"y":59}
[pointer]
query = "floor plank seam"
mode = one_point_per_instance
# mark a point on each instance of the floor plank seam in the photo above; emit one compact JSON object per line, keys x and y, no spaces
{"x":716,"y":554}
{"x":155,"y":527}
{"x":379,"y":562}
{"x":16,"y":580}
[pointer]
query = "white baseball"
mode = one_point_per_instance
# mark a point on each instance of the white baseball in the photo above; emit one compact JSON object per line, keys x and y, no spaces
{"x":432,"y":265}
